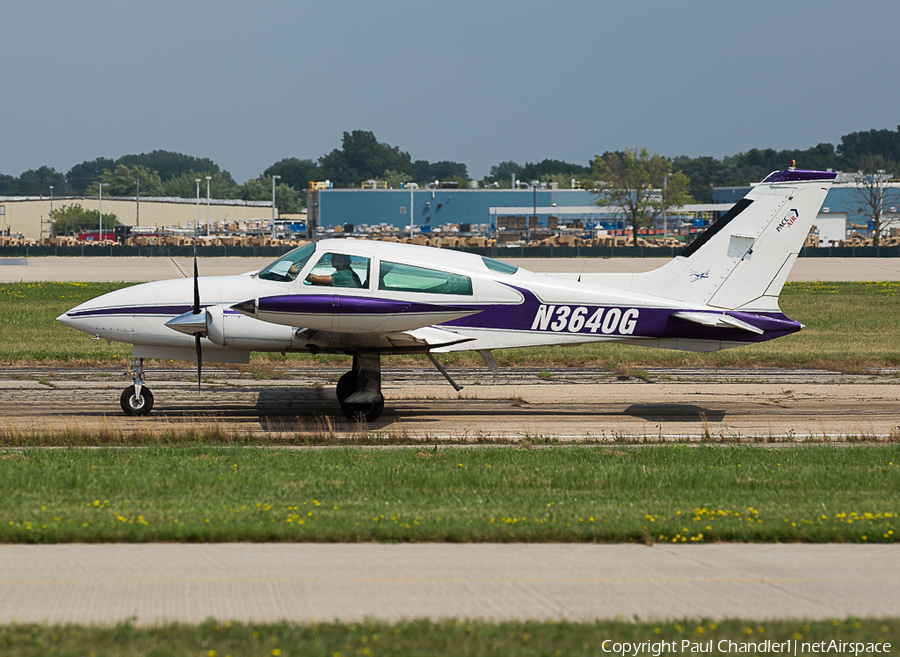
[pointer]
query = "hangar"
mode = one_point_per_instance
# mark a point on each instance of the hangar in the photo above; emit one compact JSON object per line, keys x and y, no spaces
{"x":30,"y":215}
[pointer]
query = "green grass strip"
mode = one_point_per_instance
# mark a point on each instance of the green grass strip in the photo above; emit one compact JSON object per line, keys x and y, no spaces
{"x":456,"y":637}
{"x":849,"y":326}
{"x":657,"y":494}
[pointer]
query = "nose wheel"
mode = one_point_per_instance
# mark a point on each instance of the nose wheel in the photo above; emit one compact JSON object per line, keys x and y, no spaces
{"x":359,"y":390}
{"x":136,"y":399}
{"x":136,"y":403}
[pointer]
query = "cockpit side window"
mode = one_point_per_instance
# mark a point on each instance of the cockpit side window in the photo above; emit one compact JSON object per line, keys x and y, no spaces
{"x":287,"y":267}
{"x":340,"y":270}
{"x":409,"y":278}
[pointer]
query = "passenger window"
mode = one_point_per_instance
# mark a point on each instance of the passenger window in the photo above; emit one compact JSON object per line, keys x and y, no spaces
{"x":499,"y":267}
{"x":289,"y":265}
{"x":340,"y":270}
{"x":408,"y":278}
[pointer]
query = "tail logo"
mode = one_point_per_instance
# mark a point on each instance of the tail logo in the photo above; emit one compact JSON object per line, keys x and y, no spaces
{"x":788,"y":220}
{"x":699,"y":275}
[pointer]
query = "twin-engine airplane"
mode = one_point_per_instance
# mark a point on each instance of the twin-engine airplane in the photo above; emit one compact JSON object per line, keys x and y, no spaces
{"x":368,"y":298}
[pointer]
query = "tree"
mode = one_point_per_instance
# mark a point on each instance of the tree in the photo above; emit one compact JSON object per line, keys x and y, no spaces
{"x":394,"y":179}
{"x":36,"y":182}
{"x":858,"y":146}
{"x":295,"y":173}
{"x":875,"y":196}
{"x":81,"y":176}
{"x":73,"y":219}
{"x":287,"y":199}
{"x":502,"y":174}
{"x":426,"y":172}
{"x":362,"y":158}
{"x":168,"y":164}
{"x":221,"y":185}
{"x":707,"y":172}
{"x":122,"y":181}
{"x":7,"y":185}
{"x":634,"y":182}
{"x":554,"y":171}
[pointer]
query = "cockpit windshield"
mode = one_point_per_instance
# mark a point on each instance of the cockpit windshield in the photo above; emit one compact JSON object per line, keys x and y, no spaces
{"x":288,"y":266}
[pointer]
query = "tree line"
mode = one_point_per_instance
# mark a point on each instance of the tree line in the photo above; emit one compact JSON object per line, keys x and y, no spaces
{"x":362,"y":157}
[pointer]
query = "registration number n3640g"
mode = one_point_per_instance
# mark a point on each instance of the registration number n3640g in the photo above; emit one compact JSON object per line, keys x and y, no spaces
{"x":582,"y":319}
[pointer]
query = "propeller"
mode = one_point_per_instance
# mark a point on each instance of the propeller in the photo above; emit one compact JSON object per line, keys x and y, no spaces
{"x":194,"y":322}
{"x":196,"y":311}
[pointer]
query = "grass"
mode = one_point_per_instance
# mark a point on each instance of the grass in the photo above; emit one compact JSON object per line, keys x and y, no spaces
{"x":664,"y":494}
{"x":850,"y":327}
{"x":456,"y":637}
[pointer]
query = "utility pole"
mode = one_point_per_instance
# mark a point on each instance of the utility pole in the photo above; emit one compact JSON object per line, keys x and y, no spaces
{"x":208,"y":178}
{"x":197,"y":225}
{"x":274,"y":178}
{"x":137,"y":203}
{"x":665,"y":223}
{"x":101,"y":211}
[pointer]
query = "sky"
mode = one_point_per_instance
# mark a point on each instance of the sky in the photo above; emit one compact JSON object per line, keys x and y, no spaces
{"x":474,"y":81}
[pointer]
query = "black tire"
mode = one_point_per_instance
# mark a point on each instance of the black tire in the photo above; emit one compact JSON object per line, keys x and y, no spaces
{"x":134,"y":405}
{"x":360,"y":412}
{"x":346,"y":386}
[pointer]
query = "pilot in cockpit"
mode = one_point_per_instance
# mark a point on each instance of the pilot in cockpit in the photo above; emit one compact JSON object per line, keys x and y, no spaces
{"x":343,"y":276}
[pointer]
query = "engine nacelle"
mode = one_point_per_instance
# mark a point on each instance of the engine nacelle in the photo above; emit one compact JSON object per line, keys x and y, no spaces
{"x":229,"y":328}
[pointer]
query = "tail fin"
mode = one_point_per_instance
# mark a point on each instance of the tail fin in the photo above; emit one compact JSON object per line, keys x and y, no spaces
{"x":742,"y":260}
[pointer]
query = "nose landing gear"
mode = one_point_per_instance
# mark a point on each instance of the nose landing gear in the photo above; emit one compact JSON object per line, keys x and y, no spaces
{"x":136,"y":399}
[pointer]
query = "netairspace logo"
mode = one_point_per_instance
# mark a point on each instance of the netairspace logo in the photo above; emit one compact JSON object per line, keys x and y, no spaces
{"x":726,"y":646}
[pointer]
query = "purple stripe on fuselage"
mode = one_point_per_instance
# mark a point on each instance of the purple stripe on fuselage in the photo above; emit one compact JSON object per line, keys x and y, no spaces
{"x":321,"y":304}
{"x":622,"y":321}
{"x":165,"y":311}
{"x":133,"y":310}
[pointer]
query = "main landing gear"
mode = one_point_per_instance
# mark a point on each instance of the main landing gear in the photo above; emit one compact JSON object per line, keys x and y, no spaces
{"x":359,"y":390}
{"x":137,"y":399}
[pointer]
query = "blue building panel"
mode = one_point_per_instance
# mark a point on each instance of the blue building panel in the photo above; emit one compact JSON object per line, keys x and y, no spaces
{"x":840,"y":199}
{"x":435,"y":207}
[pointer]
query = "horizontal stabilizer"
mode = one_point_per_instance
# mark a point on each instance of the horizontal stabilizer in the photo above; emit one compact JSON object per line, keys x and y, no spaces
{"x":718,"y":320}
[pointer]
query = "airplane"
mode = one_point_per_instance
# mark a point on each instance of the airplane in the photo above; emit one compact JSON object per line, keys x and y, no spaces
{"x":368,"y":298}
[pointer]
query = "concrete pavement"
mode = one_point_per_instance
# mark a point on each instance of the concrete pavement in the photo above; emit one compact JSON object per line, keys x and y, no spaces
{"x":350,"y":582}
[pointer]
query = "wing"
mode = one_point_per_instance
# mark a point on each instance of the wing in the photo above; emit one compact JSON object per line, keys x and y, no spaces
{"x":415,"y":341}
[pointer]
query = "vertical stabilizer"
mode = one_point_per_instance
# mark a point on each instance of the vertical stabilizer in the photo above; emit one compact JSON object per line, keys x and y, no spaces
{"x":743,"y":260}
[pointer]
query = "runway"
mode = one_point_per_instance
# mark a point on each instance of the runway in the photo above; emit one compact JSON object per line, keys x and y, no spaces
{"x":324,"y":582}
{"x":679,"y":404}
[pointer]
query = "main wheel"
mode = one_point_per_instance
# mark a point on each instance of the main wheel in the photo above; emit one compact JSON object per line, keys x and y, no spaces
{"x":370,"y":412}
{"x":346,"y":386}
{"x":133,"y":404}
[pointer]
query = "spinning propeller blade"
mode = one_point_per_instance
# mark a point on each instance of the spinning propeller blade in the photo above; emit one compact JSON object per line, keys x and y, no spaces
{"x":197,"y":312}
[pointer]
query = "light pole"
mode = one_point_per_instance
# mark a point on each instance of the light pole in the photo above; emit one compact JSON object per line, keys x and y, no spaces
{"x":665,"y":219}
{"x":101,"y":211}
{"x":52,"y":232}
{"x":208,"y":178}
{"x":137,"y":202}
{"x":197,"y":225}
{"x":274,"y":178}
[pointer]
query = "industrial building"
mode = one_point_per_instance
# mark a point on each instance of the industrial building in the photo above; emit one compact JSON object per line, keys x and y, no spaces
{"x":29,"y":216}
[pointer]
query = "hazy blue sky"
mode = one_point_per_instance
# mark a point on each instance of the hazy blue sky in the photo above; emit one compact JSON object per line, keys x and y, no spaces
{"x":478,"y":82}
